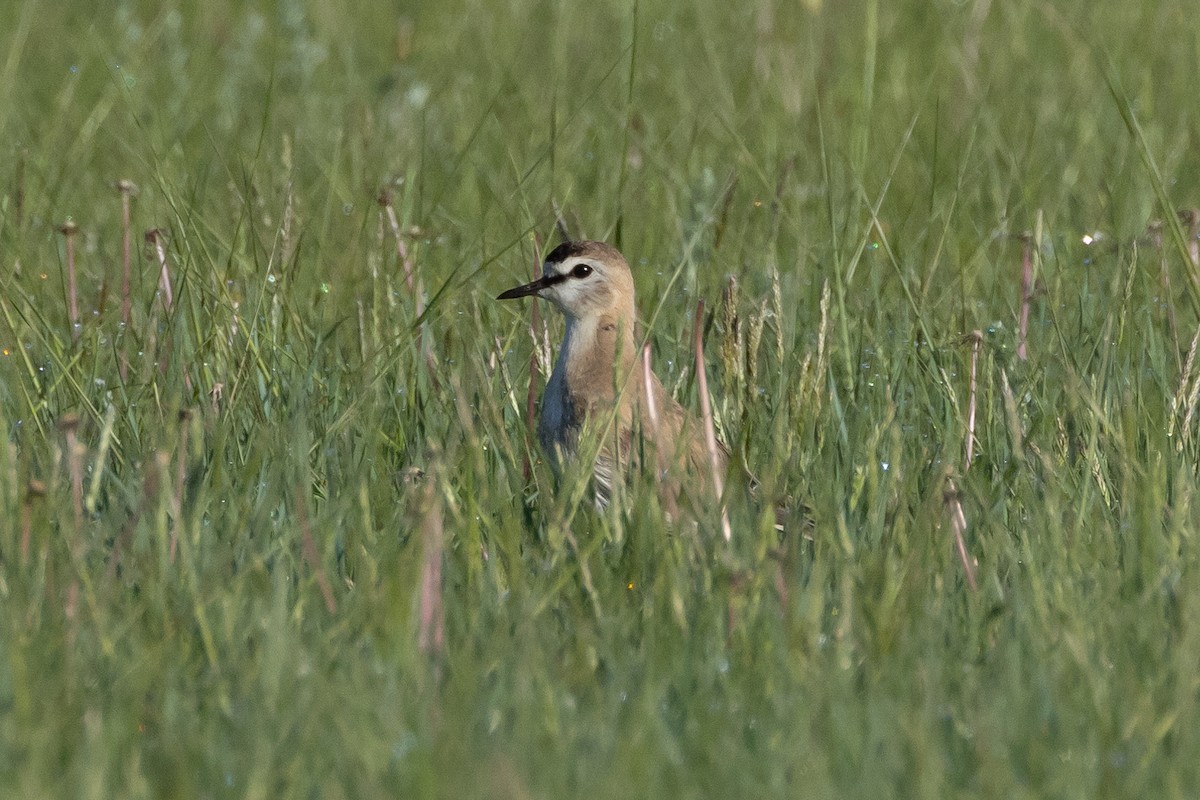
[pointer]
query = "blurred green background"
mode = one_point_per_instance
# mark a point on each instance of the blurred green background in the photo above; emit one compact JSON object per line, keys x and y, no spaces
{"x":285,"y":534}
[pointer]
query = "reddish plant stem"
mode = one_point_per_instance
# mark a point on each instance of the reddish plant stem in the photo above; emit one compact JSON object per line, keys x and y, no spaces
{"x":69,"y":425}
{"x":1026,"y":295}
{"x":431,"y":634}
{"x":651,"y":408}
{"x":33,"y":491}
{"x":414,"y":285}
{"x":958,"y":523}
{"x":308,"y":546}
{"x":1155,"y":230}
{"x":185,"y":418}
{"x":1191,"y":218}
{"x":155,"y":238}
{"x":710,"y":431}
{"x":385,"y":200}
{"x":976,"y":341}
{"x":68,"y":229}
{"x":127,"y":190}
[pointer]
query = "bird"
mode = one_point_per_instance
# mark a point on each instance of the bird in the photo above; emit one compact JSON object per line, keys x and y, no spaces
{"x":596,"y":377}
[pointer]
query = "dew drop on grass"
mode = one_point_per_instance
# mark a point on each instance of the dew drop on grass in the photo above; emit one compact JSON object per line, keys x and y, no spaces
{"x":417,"y":95}
{"x":403,"y":746}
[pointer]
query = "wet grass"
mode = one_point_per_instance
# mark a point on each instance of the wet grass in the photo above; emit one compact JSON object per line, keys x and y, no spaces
{"x":285,"y":534}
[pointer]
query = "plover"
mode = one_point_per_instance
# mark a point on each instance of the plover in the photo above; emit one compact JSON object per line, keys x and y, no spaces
{"x":597,"y":379}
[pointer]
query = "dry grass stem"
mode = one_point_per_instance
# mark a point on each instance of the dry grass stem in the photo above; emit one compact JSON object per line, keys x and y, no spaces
{"x":185,"y":420}
{"x":68,"y":229}
{"x":406,"y":262}
{"x":976,"y":341}
{"x":1026,"y":294}
{"x":431,"y":632}
{"x":69,"y":425}
{"x":33,"y":491}
{"x":958,"y":524}
{"x":1191,"y":218}
{"x":651,"y":408}
{"x":156,"y":239}
{"x":710,"y":431}
{"x":127,"y":189}
{"x":312,"y":556}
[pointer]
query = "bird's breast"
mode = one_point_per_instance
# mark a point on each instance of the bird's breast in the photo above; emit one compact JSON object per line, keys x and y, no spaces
{"x":558,"y":426}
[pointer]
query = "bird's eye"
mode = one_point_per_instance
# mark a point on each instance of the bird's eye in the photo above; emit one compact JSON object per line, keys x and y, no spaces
{"x":581,"y":271}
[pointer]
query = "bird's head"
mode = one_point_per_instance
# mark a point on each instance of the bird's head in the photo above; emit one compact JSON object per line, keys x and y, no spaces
{"x":583,"y":280}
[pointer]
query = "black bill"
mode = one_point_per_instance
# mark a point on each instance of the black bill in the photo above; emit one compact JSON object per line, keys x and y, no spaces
{"x":543,"y":282}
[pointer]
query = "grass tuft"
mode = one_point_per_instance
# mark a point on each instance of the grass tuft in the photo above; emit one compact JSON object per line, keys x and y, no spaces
{"x":275,"y":524}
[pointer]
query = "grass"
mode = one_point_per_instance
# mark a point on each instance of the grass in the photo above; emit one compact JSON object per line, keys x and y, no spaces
{"x":278,"y":538}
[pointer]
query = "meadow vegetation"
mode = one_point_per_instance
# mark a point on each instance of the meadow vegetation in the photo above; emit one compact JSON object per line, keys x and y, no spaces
{"x":271,"y":520}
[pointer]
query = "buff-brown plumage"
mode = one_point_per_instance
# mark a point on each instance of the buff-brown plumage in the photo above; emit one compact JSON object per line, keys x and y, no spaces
{"x":597,"y":376}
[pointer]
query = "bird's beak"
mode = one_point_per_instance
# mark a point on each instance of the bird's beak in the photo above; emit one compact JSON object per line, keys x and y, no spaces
{"x":530,"y":288}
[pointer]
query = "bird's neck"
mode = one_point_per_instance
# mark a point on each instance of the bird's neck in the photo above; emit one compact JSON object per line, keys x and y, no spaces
{"x":596,"y":349}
